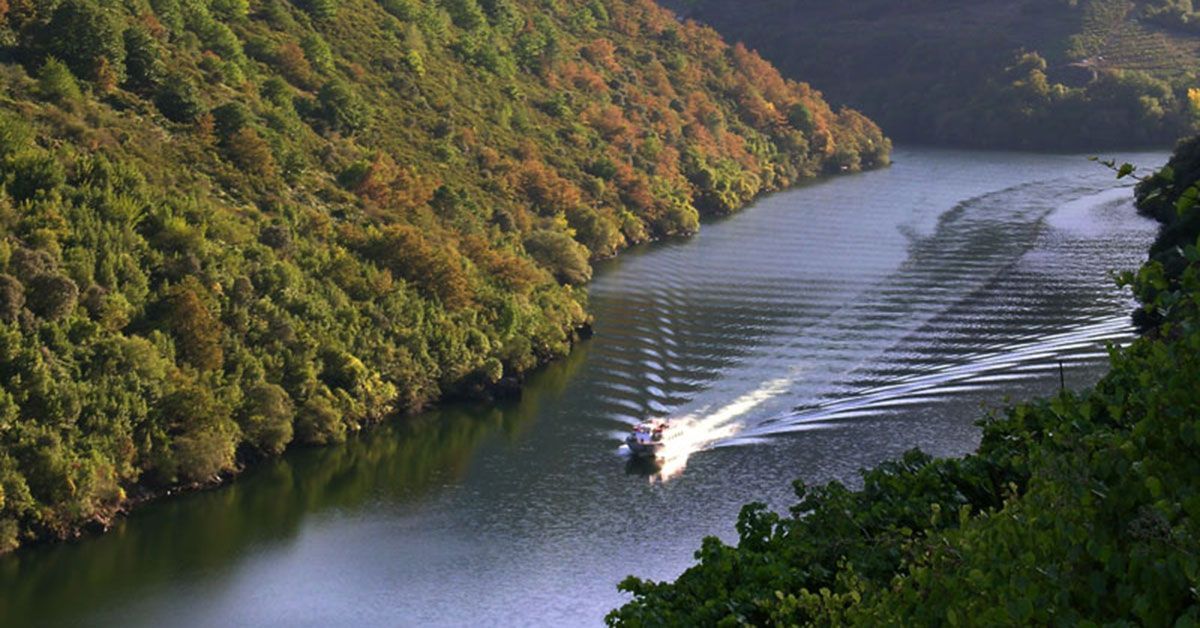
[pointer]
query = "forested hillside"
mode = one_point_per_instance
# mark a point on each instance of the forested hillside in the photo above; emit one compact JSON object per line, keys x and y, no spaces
{"x":1045,"y":74}
{"x":1082,"y":509}
{"x":228,"y":227}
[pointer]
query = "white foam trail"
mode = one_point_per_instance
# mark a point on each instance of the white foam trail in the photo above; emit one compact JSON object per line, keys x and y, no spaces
{"x":701,"y":429}
{"x":1033,"y":355}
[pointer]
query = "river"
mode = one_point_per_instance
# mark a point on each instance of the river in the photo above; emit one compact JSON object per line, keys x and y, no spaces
{"x":819,"y":332}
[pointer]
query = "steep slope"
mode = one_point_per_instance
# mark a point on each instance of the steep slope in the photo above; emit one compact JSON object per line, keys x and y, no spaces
{"x":1047,"y":74}
{"x":228,"y":227}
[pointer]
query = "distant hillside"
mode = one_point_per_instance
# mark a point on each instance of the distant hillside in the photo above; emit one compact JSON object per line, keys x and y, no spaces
{"x":1051,"y":74}
{"x":231,"y":226}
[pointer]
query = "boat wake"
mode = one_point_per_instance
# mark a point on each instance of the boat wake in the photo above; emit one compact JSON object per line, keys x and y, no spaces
{"x":919,"y":307}
{"x":704,"y":427}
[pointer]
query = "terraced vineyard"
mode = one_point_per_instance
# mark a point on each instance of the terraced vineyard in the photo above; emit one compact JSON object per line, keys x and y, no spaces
{"x":1042,"y":74}
{"x":1115,"y":38}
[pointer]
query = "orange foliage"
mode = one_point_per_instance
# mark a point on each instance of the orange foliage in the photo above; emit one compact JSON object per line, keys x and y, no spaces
{"x":704,"y":44}
{"x":197,"y":331}
{"x":388,"y":185}
{"x":610,"y":122}
{"x":667,"y":164}
{"x":622,"y":21}
{"x":590,"y":80}
{"x":205,"y":128}
{"x":547,"y":191}
{"x":733,"y":146}
{"x":635,"y":191}
{"x":657,"y":79}
{"x":250,"y":152}
{"x":291,"y":60}
{"x":762,"y":75}
{"x":758,"y":111}
{"x":434,"y":268}
{"x":654,"y":18}
{"x":153,"y":26}
{"x":512,"y":271}
{"x":602,"y":52}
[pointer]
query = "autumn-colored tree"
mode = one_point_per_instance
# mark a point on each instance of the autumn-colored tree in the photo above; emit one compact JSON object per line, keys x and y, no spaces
{"x":196,"y":330}
{"x":294,"y":64}
{"x":547,"y":191}
{"x":601,"y":52}
{"x":250,"y":152}
{"x":436,"y":269}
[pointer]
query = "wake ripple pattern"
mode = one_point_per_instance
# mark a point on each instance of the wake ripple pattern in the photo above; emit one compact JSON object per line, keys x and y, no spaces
{"x":811,"y":308}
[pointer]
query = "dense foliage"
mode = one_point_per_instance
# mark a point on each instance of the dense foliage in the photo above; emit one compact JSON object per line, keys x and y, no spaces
{"x":1080,"y":509}
{"x":231,"y":226}
{"x":1044,"y":74}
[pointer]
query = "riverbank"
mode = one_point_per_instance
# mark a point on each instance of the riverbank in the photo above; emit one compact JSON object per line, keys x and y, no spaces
{"x":1080,"y":507}
{"x":525,"y":499}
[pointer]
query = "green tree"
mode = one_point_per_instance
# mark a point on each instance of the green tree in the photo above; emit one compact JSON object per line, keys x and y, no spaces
{"x":144,"y":66}
{"x":561,"y":255}
{"x":56,"y":82}
{"x":204,"y":436}
{"x":12,"y":298}
{"x":51,"y":295}
{"x":178,"y":99}
{"x":342,"y":107}
{"x":266,"y":418}
{"x":321,"y":9}
{"x":318,"y":53}
{"x":87,"y":38}
{"x":319,"y":423}
{"x":465,"y":14}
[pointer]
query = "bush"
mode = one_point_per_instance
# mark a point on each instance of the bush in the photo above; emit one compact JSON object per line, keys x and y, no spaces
{"x":561,"y":255}
{"x":197,"y":332}
{"x":206,"y":436}
{"x":12,"y":298}
{"x":342,"y":107}
{"x":250,"y":152}
{"x":406,"y":10}
{"x":230,"y":117}
{"x":266,"y":418}
{"x":319,"y":423}
{"x":318,"y":53}
{"x":144,"y":67}
{"x":56,"y":83}
{"x":52,"y":296}
{"x":178,"y":99}
{"x":32,"y":172}
{"x":86,"y":37}
{"x":465,"y":14}
{"x":231,"y":9}
{"x":321,"y":9}
{"x":435,"y":269}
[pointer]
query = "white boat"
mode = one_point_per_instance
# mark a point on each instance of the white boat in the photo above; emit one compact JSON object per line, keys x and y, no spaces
{"x":648,"y":437}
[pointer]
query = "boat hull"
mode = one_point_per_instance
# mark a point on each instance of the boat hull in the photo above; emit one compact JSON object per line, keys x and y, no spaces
{"x":648,"y":450}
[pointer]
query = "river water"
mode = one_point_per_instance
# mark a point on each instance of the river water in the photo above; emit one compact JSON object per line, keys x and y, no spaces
{"x":820,"y":331}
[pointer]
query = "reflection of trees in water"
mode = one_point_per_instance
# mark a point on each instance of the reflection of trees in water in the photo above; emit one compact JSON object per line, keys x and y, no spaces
{"x":204,"y":532}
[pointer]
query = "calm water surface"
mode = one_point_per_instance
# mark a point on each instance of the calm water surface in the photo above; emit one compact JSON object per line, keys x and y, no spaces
{"x":819,"y":332}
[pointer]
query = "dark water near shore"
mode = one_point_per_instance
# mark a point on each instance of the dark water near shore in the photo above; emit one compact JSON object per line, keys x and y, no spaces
{"x":819,"y":332}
